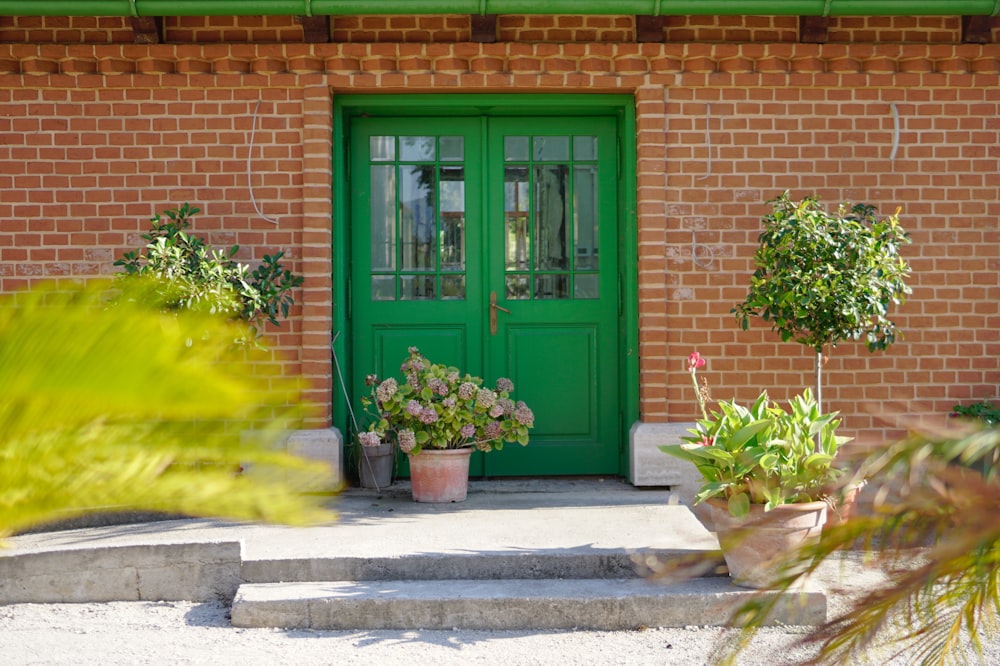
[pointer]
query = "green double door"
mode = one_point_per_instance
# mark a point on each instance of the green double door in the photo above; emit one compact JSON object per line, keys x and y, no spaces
{"x":491,"y":244}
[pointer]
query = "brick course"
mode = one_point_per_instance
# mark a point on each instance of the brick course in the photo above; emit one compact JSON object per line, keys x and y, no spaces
{"x":96,"y":138}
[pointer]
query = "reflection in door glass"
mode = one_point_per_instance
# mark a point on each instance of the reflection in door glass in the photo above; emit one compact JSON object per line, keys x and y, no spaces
{"x":383,"y":287}
{"x":416,"y":288}
{"x":452,"y":148}
{"x":516,"y":209}
{"x":383,"y":217}
{"x":382,"y":148}
{"x":515,"y":148}
{"x":585,"y":286}
{"x":417,"y":148}
{"x":517,"y":287}
{"x":550,"y":148}
{"x":452,"y":219}
{"x":417,"y":218}
{"x":584,"y":148}
{"x":551,"y":225}
{"x":453,"y":287}
{"x":585,"y":216}
{"x":552,"y":286}
{"x":550,"y":217}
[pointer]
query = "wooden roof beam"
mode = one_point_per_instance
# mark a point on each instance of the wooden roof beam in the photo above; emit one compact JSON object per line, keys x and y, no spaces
{"x":649,"y":29}
{"x":315,"y":29}
{"x":147,"y":29}
{"x":977,"y":29}
{"x":814,"y":29}
{"x":484,"y":28}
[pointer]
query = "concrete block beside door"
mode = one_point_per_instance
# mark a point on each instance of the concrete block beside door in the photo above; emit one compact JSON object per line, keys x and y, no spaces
{"x":323,"y":445}
{"x":648,"y":466}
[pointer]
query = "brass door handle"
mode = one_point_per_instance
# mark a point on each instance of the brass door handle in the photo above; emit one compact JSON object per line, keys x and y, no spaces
{"x":493,"y":312}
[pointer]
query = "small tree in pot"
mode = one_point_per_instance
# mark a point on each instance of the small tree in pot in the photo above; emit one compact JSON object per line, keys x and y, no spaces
{"x":824,"y":278}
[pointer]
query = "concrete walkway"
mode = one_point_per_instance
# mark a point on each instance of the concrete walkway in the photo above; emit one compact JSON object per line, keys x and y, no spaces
{"x":566,"y":543}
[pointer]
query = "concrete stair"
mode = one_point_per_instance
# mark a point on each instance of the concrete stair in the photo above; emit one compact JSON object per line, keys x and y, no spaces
{"x":547,"y":603}
{"x":518,"y":554}
{"x":498,"y":591}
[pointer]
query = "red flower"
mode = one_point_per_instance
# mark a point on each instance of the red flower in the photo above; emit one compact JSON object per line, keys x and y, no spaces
{"x":695,"y":361}
{"x":707,"y":441}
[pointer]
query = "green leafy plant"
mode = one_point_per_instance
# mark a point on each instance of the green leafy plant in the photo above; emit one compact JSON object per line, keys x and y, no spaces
{"x":109,"y":405}
{"x":824,"y":278}
{"x":986,"y":412}
{"x":196,"y":277}
{"x":933,"y":532}
{"x":761,"y":454}
{"x":438,"y":407}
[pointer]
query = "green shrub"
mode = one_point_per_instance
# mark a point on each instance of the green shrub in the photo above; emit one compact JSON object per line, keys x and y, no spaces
{"x":986,"y":412}
{"x":196,"y":277}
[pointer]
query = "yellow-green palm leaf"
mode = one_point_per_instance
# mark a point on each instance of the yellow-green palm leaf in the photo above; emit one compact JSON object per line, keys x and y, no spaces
{"x":110,"y":404}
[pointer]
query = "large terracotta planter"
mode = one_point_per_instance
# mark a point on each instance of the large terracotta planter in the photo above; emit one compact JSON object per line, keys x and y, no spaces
{"x":375,"y":465}
{"x":755,"y":544}
{"x":845,"y":508}
{"x":440,"y":475}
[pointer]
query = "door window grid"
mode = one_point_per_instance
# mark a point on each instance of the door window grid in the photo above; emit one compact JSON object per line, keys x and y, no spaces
{"x":417,"y":217}
{"x":550,"y":217}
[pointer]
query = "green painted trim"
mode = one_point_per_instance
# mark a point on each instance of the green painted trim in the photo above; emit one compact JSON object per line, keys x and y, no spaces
{"x":506,"y":104}
{"x":623,"y":106}
{"x":628,"y":263}
{"x":340,"y":291}
{"x":570,"y":7}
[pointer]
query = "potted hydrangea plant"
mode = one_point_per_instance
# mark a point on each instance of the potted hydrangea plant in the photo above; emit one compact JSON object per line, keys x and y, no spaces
{"x":766,"y":472}
{"x":437,"y":416}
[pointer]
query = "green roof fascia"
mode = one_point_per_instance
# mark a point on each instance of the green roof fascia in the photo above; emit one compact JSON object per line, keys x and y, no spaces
{"x":559,"y":7}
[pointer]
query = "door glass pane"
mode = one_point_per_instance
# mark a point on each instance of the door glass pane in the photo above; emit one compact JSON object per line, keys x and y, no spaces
{"x":517,"y":204}
{"x":517,"y":287}
{"x":417,"y":148}
{"x":417,"y":216}
{"x":383,"y":288}
{"x":584,"y":148}
{"x":551,"y":148}
{"x":416,"y":288}
{"x":382,"y":148}
{"x":453,"y":287}
{"x":515,"y":149}
{"x":383,"y":217}
{"x":585,"y":286}
{"x":452,"y":219}
{"x":452,"y":148}
{"x":551,"y":187}
{"x":585,"y":216}
{"x":551,"y":286}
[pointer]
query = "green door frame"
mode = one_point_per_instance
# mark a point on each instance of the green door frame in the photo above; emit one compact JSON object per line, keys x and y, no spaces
{"x":510,"y":105}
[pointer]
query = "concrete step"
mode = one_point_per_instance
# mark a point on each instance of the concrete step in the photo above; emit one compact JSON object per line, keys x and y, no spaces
{"x":505,"y":565}
{"x":601,"y":604}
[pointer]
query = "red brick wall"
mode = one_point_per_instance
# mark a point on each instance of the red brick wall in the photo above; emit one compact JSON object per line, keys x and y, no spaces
{"x":82,"y":169}
{"x":457,"y":28}
{"x":95,"y":139}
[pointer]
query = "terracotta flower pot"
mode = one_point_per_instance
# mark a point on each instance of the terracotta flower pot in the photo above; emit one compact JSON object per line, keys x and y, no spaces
{"x":754,"y":545}
{"x":440,"y":475}
{"x":375,"y":466}
{"x":845,"y":508}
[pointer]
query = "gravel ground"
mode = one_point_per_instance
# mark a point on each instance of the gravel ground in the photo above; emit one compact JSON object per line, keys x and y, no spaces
{"x":100,"y":634}
{"x":187,"y":633}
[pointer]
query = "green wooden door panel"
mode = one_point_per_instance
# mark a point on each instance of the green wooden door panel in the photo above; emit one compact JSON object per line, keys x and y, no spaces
{"x":449,"y":212}
{"x":554,"y":369}
{"x":443,"y":344}
{"x":552,"y":249}
{"x":416,"y":244}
